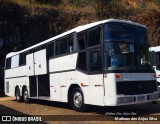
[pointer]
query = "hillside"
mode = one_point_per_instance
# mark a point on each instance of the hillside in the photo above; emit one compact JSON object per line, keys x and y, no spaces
{"x":27,"y":22}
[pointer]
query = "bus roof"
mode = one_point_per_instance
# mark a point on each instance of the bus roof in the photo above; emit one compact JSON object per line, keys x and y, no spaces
{"x":76,"y":30}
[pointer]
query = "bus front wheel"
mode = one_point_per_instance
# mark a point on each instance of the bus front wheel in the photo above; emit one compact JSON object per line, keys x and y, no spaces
{"x":25,"y":95}
{"x":77,"y":100}
{"x":18,"y":95}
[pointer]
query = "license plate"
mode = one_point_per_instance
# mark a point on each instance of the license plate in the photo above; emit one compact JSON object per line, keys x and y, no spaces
{"x":140,"y":98}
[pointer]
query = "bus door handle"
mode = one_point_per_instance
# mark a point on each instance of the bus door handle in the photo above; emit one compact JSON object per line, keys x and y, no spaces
{"x":29,"y":67}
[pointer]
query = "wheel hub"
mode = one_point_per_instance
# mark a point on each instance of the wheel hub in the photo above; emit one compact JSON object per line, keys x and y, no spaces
{"x":77,"y":99}
{"x":17,"y":96}
{"x":25,"y":95}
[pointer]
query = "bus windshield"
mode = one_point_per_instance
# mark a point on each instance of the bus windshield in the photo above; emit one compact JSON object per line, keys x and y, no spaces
{"x":125,"y":47}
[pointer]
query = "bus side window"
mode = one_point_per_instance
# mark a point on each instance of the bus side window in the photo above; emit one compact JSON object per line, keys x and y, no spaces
{"x":61,"y":46}
{"x":50,"y":50}
{"x":70,"y":43}
{"x":8,"y":63}
{"x":82,"y":41}
{"x":22,"y":59}
{"x":42,"y":47}
{"x":82,"y":62}
{"x":15,"y":61}
{"x":95,"y":61}
{"x":93,"y":37}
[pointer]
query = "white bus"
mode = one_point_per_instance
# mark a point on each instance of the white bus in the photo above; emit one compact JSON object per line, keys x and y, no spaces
{"x":104,"y":63}
{"x":155,"y":52}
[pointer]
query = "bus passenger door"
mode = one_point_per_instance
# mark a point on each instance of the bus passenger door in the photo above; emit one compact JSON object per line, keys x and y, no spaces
{"x":96,"y":77}
{"x":40,"y":62}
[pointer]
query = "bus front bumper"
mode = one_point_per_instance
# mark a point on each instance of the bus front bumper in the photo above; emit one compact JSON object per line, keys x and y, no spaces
{"x":131,"y":99}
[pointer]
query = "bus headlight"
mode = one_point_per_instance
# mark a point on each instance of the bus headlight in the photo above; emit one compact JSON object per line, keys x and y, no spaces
{"x":125,"y":100}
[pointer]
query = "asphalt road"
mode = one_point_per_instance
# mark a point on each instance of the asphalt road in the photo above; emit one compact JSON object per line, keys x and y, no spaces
{"x":55,"y":112}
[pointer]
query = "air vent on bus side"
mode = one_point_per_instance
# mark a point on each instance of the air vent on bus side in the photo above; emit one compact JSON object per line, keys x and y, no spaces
{"x":7,"y":87}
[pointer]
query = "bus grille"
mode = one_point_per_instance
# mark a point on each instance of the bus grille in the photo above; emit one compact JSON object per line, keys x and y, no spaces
{"x":136,"y":87}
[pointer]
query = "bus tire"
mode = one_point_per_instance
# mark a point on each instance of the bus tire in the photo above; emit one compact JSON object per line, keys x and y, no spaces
{"x":18,"y":95}
{"x":25,"y":95}
{"x":77,"y":100}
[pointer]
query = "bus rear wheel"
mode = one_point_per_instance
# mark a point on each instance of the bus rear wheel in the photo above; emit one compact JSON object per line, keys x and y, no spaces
{"x":77,"y":100}
{"x":18,"y":95}
{"x":25,"y":95}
